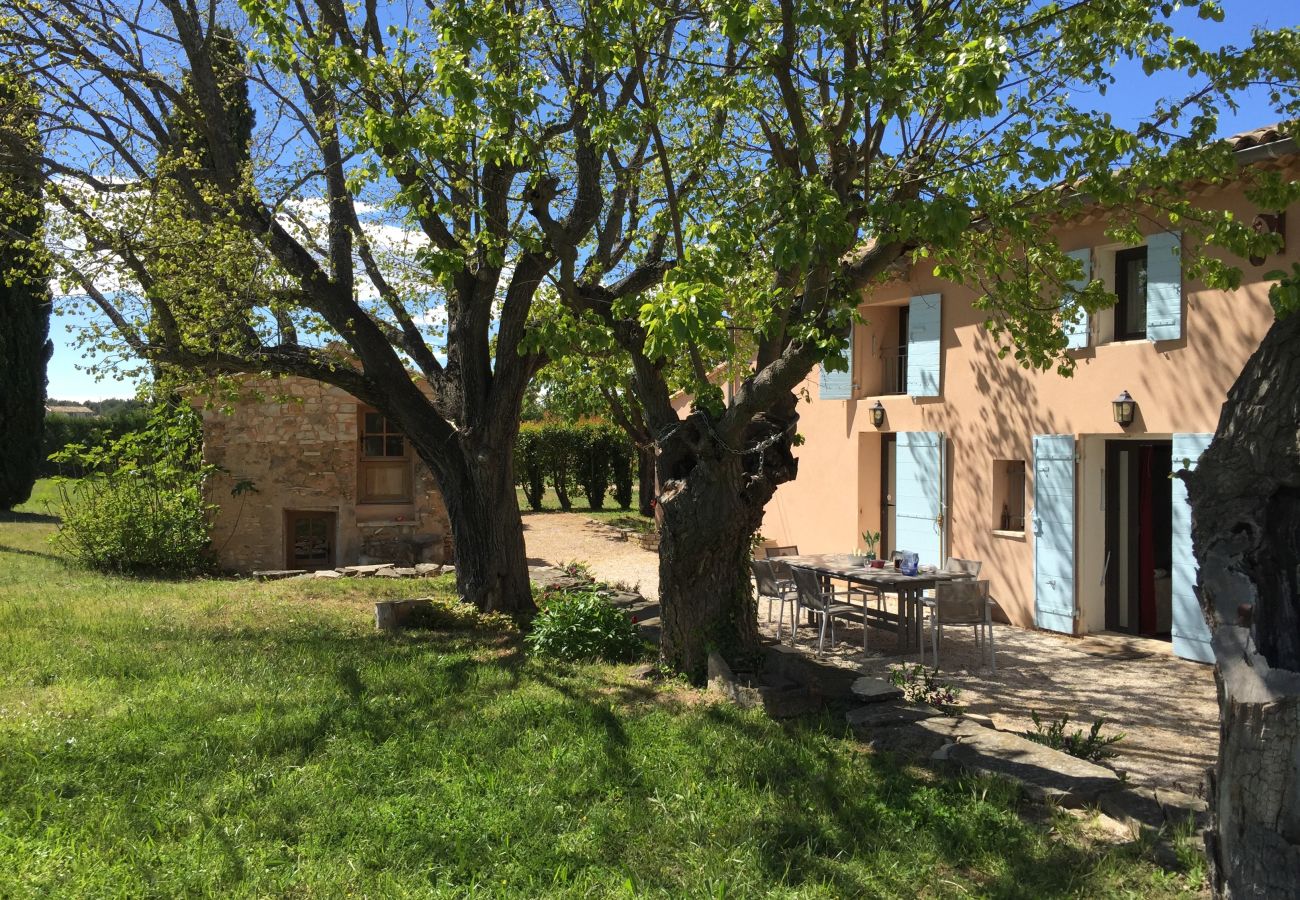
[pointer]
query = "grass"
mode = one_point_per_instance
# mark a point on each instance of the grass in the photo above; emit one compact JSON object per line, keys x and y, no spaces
{"x":250,"y":739}
{"x":611,"y":514}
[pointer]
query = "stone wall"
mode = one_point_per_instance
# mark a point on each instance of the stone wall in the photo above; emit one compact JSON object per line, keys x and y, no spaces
{"x":302,"y":454}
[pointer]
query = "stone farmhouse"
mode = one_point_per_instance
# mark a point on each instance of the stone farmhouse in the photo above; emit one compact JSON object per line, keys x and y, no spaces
{"x":1060,"y":486}
{"x":317,"y":482}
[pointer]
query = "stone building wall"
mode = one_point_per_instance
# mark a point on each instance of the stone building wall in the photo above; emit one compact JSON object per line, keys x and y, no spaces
{"x":303,"y":456}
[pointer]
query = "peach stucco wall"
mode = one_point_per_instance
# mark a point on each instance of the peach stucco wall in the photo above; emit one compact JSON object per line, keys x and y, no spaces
{"x":991,"y":409}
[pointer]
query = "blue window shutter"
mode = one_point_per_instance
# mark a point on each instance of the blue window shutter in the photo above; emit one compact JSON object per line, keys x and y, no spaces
{"x":1191,"y":633}
{"x":1164,"y":286}
{"x":838,"y":385}
{"x":1054,"y":532}
{"x":923,"y":356}
{"x":1076,"y":332}
{"x":918,"y":497}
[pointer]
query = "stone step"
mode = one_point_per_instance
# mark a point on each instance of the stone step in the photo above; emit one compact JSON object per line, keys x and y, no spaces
{"x":875,"y":690}
{"x":1043,"y":773}
{"x":277,"y":574}
{"x":887,"y":714}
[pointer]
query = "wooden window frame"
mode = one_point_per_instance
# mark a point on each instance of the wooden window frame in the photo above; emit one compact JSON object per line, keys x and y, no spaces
{"x":366,"y":463}
{"x":1122,"y":258}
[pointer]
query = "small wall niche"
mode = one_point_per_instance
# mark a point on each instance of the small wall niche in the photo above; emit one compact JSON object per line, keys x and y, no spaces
{"x":1009,"y":495}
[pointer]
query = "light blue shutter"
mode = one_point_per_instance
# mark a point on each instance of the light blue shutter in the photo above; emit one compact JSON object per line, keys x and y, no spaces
{"x":1191,"y":632}
{"x":1164,"y":287}
{"x":1076,"y":332}
{"x":1054,"y":532}
{"x":919,"y":488}
{"x":838,"y":385}
{"x":923,"y":358}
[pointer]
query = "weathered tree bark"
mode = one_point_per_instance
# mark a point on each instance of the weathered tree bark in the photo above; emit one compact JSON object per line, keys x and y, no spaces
{"x":711,"y":499}
{"x":491,"y":566}
{"x":1245,"y":496}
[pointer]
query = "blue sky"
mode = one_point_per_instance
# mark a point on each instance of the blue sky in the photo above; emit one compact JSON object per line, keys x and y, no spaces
{"x":1127,"y":102}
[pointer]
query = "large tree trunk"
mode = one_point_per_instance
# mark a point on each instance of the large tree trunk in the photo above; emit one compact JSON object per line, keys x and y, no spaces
{"x":1245,"y":496}
{"x":711,"y":501}
{"x":491,"y":565}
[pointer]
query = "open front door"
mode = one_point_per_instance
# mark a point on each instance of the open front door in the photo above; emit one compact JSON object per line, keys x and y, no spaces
{"x":1054,"y":532}
{"x":1191,"y":633}
{"x":919,"y":487}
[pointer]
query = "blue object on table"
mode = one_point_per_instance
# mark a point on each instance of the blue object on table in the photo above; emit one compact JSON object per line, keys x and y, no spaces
{"x":910,"y":563}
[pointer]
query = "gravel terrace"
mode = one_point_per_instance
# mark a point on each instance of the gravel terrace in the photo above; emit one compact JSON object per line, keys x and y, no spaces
{"x":1166,"y":706}
{"x":558,"y":537}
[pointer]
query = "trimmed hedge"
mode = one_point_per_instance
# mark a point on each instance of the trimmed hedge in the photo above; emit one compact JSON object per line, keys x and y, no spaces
{"x":569,"y":458}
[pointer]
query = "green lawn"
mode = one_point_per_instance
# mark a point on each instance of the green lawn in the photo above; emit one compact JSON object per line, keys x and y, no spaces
{"x":243,"y":739}
{"x":623,"y":518}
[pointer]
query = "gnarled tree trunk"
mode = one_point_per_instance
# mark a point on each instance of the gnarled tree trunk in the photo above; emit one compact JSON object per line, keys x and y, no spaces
{"x":646,"y":479}
{"x":711,"y":499}
{"x":491,"y":564}
{"x":1245,"y":496}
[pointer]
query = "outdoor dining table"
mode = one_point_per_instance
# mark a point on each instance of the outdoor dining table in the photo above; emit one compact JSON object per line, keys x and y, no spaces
{"x":909,"y":589}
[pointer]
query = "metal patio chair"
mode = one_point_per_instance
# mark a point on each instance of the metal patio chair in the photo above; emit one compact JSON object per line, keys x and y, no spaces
{"x":774,"y":589}
{"x":824,"y":604}
{"x":961,"y":603}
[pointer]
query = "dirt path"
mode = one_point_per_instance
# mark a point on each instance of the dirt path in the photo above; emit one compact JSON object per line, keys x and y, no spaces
{"x":556,"y":537}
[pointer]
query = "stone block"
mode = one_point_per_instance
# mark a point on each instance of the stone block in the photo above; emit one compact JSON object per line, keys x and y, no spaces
{"x":327,"y":573}
{"x":364,"y":570}
{"x":887,"y":714}
{"x":1179,"y":807}
{"x":1043,"y":773}
{"x":392,"y":614}
{"x":875,"y":690}
{"x":1135,"y":807}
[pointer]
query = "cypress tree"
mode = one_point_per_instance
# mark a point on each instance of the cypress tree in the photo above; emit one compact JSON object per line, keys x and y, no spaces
{"x":25,"y":305}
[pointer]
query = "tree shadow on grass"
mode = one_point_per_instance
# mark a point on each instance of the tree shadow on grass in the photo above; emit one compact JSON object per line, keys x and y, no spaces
{"x":28,"y":518}
{"x":41,"y":554}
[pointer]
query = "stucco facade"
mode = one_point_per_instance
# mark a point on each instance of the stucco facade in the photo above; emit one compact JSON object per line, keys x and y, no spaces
{"x":986,"y":413}
{"x":289,"y":486}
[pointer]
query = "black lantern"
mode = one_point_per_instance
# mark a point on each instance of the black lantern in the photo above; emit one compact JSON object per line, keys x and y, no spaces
{"x":1124,"y":406}
{"x":878,"y":414}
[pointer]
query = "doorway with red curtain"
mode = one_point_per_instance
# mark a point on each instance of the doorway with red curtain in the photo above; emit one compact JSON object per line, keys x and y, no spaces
{"x":1138,"y":537}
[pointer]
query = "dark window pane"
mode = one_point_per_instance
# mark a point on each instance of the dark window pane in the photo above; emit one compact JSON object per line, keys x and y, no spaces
{"x":373,"y":445}
{"x":1136,"y":307}
{"x":374,"y":423}
{"x":395,"y":445}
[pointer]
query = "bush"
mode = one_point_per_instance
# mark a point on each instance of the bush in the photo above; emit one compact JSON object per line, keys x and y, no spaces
{"x":582,"y":456}
{"x":142,"y":507}
{"x":86,"y":431}
{"x":529,"y":469}
{"x":456,"y":615}
{"x":623,"y":461}
{"x":581,"y":625}
{"x":920,"y":685}
{"x":1092,"y":746}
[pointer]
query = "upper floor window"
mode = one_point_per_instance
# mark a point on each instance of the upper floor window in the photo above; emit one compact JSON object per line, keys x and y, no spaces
{"x":1131,"y":291}
{"x":384,"y":472}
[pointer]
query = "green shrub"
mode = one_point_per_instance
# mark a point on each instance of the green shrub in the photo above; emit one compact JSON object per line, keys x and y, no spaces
{"x":593,"y":463}
{"x":583,"y":625}
{"x":443,"y":614}
{"x":530,"y":468}
{"x":584,"y":456}
{"x":920,"y":685}
{"x":1092,"y":746}
{"x":621,"y":464}
{"x":142,"y":507}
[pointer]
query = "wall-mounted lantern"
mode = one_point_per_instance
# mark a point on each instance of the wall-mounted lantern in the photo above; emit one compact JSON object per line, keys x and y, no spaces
{"x":1124,"y":406}
{"x":878,"y":414}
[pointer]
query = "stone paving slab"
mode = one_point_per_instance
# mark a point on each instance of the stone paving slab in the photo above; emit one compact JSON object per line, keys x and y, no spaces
{"x":1044,"y":773}
{"x":886,"y":714}
{"x":875,"y":690}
